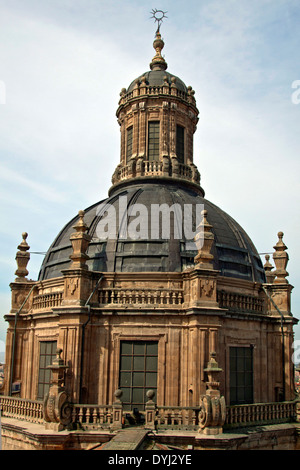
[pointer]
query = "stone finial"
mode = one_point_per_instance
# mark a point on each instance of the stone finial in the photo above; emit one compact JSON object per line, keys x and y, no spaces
{"x":213,"y":372}
{"x":80,"y":242}
{"x":22,"y":258}
{"x":204,"y":240}
{"x":268,"y":268}
{"x":158,"y":62}
{"x":280,"y":258}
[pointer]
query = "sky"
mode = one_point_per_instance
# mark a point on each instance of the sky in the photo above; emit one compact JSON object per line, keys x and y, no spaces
{"x":62,"y":66}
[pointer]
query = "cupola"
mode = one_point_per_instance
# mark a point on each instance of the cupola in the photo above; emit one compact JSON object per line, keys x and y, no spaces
{"x":158,"y":117}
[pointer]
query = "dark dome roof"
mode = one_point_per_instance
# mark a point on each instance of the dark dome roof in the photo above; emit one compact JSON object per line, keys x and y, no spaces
{"x":234,"y":253}
{"x":157,"y":77}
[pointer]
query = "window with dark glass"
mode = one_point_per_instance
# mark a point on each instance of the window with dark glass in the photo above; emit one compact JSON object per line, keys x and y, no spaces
{"x":47,"y":356}
{"x":180,"y":143}
{"x":153,"y":140}
{"x":129,"y":143}
{"x":138,"y":372}
{"x":241,"y":375}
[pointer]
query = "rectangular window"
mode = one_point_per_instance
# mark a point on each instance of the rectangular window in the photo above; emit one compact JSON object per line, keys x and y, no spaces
{"x":138,"y":372}
{"x":180,"y":143}
{"x":153,"y":140}
{"x":47,"y":355}
{"x":129,"y":143}
{"x":241,"y":375}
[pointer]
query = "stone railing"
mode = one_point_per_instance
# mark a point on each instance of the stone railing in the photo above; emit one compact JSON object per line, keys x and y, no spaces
{"x":177,"y":417}
{"x":163,"y":417}
{"x":161,"y":168}
{"x":93,"y":416}
{"x":260,"y":413}
{"x":50,"y":300}
{"x":153,"y":168}
{"x":240,"y":302}
{"x":26,"y":410}
{"x":137,"y":297}
{"x":141,"y":89}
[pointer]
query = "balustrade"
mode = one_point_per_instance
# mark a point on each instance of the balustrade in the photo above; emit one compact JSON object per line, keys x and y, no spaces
{"x":18,"y":408}
{"x":50,"y":300}
{"x":247,"y":415}
{"x":174,"y":417}
{"x":165,"y":297}
{"x":93,"y":416}
{"x":234,"y":301}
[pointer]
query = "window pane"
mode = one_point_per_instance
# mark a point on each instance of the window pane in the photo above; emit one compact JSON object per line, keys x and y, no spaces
{"x":138,"y":379}
{"x":240,"y":378}
{"x":126,"y":395}
{"x":152,"y":349}
{"x":138,"y":395}
{"x":151,"y":379}
{"x":138,"y":363}
{"x":126,"y":363}
{"x":151,"y":363}
{"x":125,"y":379}
{"x":240,"y":363}
{"x":139,"y":349}
{"x":126,"y":348}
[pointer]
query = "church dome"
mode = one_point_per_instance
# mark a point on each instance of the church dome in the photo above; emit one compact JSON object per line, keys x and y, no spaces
{"x":158,"y":116}
{"x":235,"y":255}
{"x":157,"y":78}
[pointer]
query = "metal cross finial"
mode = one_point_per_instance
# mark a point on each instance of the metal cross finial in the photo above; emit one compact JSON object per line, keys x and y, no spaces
{"x":158,"y":16}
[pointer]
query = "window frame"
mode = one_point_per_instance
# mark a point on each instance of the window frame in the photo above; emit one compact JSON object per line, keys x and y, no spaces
{"x":45,"y":358}
{"x":134,"y":371}
{"x":153,"y":141}
{"x":129,"y":143}
{"x":241,"y":375}
{"x":180,"y":143}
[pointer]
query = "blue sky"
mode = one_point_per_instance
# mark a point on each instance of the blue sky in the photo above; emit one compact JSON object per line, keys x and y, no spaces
{"x":63,"y":64}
